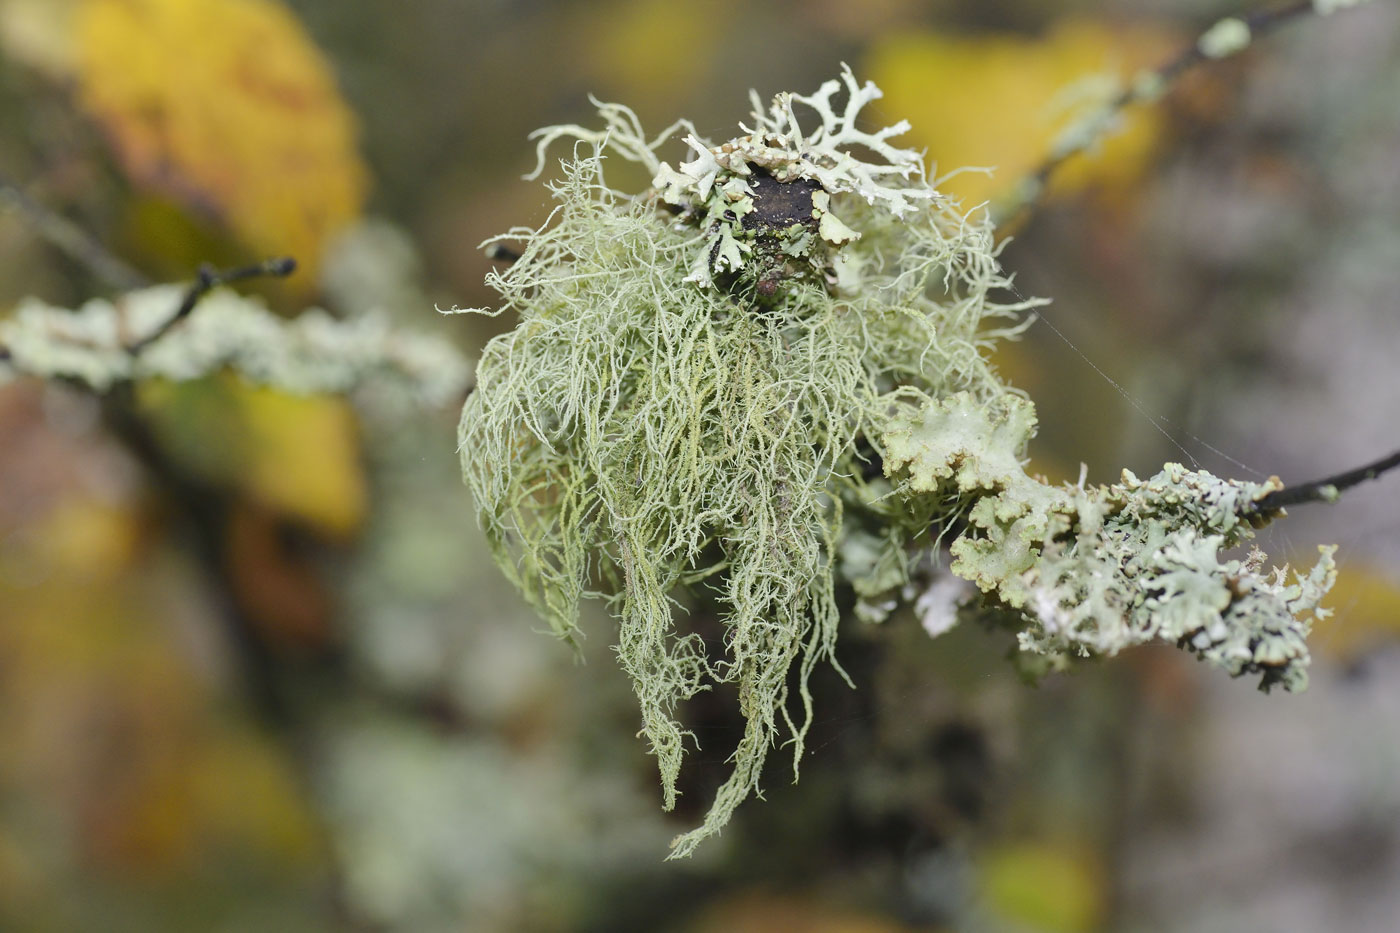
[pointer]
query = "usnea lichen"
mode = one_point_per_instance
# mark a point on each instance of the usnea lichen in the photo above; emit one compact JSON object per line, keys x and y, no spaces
{"x":764,"y":378}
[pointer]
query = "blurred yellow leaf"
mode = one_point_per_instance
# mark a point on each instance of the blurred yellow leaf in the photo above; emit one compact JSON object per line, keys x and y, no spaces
{"x":999,"y":101}
{"x":297,"y":455}
{"x":227,"y":105}
{"x":122,"y":751}
{"x":1043,"y":887}
{"x":1366,"y":602}
{"x":649,"y":51}
{"x":305,"y":457}
{"x":247,"y":792}
{"x":109,"y":720}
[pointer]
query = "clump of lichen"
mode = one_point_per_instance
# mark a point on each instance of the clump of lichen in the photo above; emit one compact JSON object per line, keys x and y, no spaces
{"x":692,"y":401}
{"x":1090,"y":570}
{"x":764,"y":377}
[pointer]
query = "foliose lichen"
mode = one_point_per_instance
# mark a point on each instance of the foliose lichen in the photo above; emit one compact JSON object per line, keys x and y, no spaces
{"x":1092,"y":570}
{"x":764,"y":379}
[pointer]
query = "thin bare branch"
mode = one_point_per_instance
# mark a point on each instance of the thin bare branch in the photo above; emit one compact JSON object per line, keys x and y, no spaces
{"x":1327,"y":489}
{"x":209,"y":278}
{"x":72,"y":240}
{"x":1225,"y":39}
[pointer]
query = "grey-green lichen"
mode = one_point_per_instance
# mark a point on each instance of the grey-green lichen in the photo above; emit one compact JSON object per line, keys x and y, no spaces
{"x":1094,"y":570}
{"x":310,"y":353}
{"x":692,"y":412}
{"x":1229,"y":36}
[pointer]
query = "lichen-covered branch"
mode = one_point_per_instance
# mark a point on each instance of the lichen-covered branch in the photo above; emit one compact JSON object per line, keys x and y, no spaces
{"x":108,"y":342}
{"x":1226,"y":38}
{"x":1090,"y":571}
{"x":704,"y":380}
{"x":207,"y":279}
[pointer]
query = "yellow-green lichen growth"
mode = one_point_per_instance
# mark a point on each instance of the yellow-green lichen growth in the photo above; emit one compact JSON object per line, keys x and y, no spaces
{"x":762,"y":379}
{"x":694,"y":394}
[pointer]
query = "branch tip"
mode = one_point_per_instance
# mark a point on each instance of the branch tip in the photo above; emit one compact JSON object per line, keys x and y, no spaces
{"x":1328,"y":489}
{"x":208,"y":278}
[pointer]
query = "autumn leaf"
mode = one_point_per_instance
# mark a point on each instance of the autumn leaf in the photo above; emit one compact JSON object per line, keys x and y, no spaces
{"x":1000,"y":101}
{"x":228,"y":106}
{"x":296,"y":455}
{"x":629,"y":47}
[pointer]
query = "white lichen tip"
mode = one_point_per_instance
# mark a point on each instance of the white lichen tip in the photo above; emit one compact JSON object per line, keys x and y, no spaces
{"x":825,"y":154}
{"x":1227,"y":37}
{"x":778,"y":144}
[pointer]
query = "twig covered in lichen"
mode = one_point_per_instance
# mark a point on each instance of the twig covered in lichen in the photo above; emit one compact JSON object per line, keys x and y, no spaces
{"x":1090,"y":571}
{"x":92,"y":346}
{"x":1224,"y":39}
{"x":700,"y":379}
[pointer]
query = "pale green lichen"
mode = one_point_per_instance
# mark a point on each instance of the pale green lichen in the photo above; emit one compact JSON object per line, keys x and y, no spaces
{"x":311,"y":353}
{"x":689,"y":416}
{"x":722,"y":186}
{"x":1227,"y":37}
{"x":1095,"y":570}
{"x":642,"y":430}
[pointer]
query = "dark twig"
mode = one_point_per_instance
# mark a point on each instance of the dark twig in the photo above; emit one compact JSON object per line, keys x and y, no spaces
{"x":1325,"y":490}
{"x":209,"y":278}
{"x":1145,"y":89}
{"x":71,"y":239}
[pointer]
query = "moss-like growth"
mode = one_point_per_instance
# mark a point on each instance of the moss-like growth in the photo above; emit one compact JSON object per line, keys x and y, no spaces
{"x":704,"y":384}
{"x":669,"y":414}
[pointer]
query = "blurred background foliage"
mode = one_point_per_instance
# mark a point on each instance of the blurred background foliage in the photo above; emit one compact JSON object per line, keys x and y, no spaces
{"x":256,"y":671}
